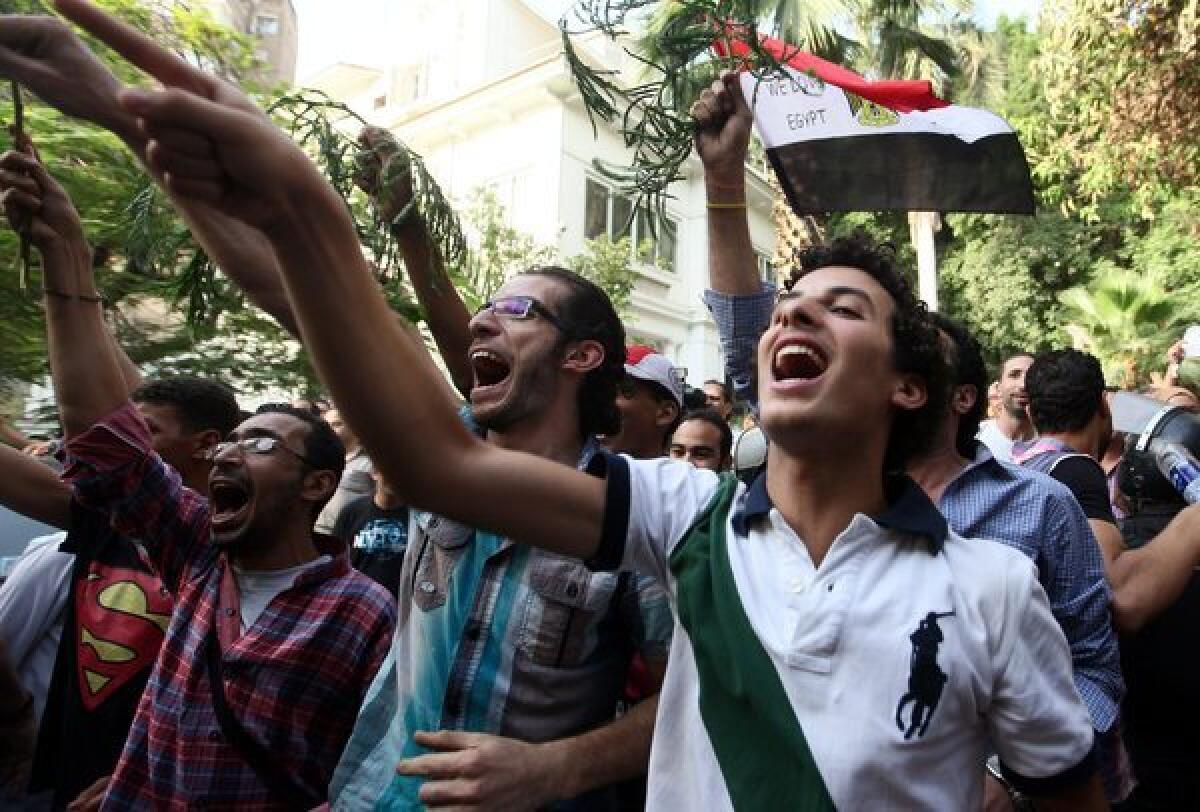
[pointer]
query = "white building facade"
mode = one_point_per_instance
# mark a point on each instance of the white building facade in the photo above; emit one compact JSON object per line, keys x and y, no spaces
{"x":481,"y":90}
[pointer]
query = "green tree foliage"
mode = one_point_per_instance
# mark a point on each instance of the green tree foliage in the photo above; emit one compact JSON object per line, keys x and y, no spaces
{"x":139,"y":246}
{"x":1121,"y":78}
{"x":1121,"y":317}
{"x":497,"y":250}
{"x":1101,"y":219}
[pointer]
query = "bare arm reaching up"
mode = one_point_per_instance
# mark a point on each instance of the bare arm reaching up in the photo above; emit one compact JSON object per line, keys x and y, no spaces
{"x":723,"y":122}
{"x":390,"y":186}
{"x":32,"y":489}
{"x":88,"y":380}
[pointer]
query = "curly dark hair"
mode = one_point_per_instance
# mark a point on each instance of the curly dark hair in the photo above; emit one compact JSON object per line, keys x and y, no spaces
{"x":1066,"y":390}
{"x":967,"y":368}
{"x":202,"y":404}
{"x":916,"y":346}
{"x":586,"y":312}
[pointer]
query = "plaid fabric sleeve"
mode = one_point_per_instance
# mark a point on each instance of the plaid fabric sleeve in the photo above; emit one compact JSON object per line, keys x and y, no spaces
{"x":114,"y":470}
{"x":741,"y":321}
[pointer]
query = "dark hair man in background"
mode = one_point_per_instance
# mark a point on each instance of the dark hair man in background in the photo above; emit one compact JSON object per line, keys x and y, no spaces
{"x":984,"y":498}
{"x":1012,"y":423}
{"x":376,"y":528}
{"x":356,"y":478}
{"x":704,"y":439}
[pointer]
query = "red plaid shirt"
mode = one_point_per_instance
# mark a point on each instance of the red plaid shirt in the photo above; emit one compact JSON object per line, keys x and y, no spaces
{"x":294,"y":680}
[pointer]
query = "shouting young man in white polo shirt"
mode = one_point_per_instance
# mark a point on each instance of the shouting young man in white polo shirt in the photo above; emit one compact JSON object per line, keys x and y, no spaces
{"x":835,"y":643}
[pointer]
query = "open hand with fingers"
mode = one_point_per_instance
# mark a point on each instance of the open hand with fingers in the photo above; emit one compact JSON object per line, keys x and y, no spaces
{"x":35,"y":204}
{"x":478,"y":771}
{"x":723,"y":121}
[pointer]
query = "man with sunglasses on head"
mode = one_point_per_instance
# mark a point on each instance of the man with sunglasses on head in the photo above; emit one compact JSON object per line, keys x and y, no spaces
{"x":273,"y":638}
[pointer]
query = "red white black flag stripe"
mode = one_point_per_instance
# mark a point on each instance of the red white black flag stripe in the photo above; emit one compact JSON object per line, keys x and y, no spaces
{"x":839,"y":142}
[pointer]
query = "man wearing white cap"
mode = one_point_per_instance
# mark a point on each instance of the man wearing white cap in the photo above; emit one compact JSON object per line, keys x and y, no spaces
{"x":650,"y":399}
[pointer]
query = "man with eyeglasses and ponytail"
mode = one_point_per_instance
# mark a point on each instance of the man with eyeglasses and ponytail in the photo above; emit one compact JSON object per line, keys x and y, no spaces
{"x":272,"y":638}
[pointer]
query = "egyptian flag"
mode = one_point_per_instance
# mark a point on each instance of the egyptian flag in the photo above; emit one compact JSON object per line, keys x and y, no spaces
{"x":839,"y":142}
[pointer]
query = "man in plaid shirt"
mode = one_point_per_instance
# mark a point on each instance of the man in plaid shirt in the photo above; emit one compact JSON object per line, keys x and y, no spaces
{"x":295,"y":674}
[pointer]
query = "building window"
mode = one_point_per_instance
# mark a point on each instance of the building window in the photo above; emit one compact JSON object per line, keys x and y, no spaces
{"x":608,"y":213}
{"x":379,"y":103}
{"x":266,"y":25}
{"x":765,"y":271}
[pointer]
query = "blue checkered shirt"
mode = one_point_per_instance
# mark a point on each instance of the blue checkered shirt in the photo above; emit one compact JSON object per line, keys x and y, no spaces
{"x":741,"y":321}
{"x":1038,"y":516}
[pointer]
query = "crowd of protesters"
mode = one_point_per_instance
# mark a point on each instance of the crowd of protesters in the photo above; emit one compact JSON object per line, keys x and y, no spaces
{"x":559,"y":577}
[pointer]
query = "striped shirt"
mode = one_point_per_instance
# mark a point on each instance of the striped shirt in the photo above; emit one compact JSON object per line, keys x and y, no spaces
{"x":495,"y":637}
{"x":294,"y":679}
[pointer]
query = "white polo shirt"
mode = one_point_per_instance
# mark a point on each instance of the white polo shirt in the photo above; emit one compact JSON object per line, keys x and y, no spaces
{"x":840,"y":638}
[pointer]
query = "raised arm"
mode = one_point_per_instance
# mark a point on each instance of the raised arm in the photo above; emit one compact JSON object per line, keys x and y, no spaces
{"x":88,"y":380}
{"x":723,"y":122}
{"x":386,"y":177}
{"x":212,"y":145}
{"x":45,"y":56}
{"x":739,"y":302}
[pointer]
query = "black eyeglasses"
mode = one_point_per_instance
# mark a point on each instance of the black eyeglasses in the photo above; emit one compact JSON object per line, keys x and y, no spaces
{"x":520,"y":307}
{"x":260,"y":444}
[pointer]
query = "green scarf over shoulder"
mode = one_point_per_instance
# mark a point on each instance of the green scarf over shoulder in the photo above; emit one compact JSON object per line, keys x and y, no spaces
{"x":759,"y":745}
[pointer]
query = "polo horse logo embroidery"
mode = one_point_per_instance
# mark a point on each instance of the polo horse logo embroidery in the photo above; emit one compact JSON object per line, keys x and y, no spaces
{"x":925,"y":678}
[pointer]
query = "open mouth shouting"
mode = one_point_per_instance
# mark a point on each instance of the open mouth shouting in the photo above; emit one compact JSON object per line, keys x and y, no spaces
{"x":231,"y":502}
{"x":491,"y":371}
{"x":797,"y":362}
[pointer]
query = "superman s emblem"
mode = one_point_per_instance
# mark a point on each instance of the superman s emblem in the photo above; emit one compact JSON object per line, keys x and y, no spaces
{"x":121,"y":619}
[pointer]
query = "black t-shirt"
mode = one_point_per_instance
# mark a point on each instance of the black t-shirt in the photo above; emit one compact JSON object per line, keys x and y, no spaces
{"x":115,"y":619}
{"x":377,"y":538}
{"x":1085,"y":478}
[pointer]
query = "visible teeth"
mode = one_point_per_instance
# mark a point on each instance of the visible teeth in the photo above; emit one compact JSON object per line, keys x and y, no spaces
{"x":486,"y":355}
{"x":799,"y":349}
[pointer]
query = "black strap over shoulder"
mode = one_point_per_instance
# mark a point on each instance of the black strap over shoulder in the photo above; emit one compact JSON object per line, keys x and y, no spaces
{"x":272,"y":773}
